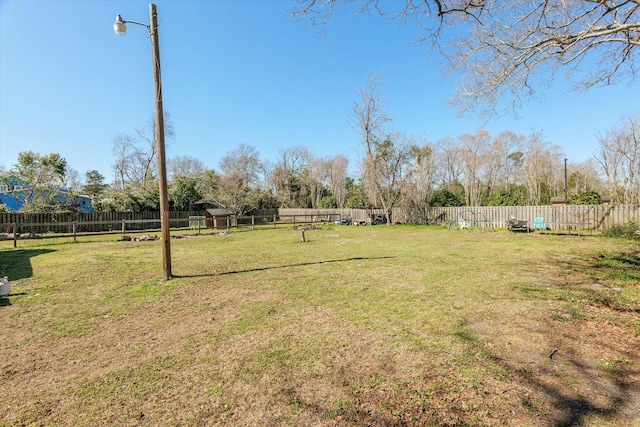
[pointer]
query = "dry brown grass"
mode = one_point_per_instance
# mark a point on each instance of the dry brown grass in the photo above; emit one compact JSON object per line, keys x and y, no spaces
{"x":358,"y":326}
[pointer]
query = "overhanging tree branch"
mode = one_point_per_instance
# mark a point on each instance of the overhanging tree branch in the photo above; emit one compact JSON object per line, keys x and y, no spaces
{"x":505,"y":49}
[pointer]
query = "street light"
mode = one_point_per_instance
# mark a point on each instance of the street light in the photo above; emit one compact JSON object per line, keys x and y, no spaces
{"x":120,"y":27}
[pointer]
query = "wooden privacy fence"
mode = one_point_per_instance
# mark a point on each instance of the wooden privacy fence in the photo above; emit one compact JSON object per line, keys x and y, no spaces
{"x":95,"y":223}
{"x":595,"y":217}
{"x":16,"y":230}
{"x":87,"y":222}
{"x":16,"y":226}
{"x":598,"y":217}
{"x":355,"y":215}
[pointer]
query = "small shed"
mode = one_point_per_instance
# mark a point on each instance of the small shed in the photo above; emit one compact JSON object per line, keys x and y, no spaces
{"x":219,"y":218}
{"x":605,"y":200}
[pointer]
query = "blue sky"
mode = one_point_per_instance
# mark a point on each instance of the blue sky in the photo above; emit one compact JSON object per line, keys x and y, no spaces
{"x":241,"y":72}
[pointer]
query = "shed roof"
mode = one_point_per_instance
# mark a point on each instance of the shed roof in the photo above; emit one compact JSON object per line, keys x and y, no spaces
{"x":558,"y":201}
{"x":219,"y":212}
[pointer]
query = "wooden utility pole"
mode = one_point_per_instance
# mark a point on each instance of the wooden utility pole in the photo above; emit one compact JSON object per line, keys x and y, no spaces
{"x":162,"y":162}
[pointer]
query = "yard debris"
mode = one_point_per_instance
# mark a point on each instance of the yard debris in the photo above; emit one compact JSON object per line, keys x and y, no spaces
{"x":9,"y":236}
{"x":554,"y":351}
{"x":143,"y":238}
{"x":307,"y":227}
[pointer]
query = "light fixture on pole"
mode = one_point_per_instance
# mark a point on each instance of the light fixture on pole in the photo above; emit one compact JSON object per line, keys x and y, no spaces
{"x":120,"y":28}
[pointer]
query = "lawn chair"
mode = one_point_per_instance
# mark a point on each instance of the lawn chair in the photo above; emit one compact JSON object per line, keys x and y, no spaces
{"x":538,"y":224}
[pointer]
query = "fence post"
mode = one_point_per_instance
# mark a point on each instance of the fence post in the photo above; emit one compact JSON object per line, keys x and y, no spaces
{"x":74,"y":225}
{"x":253,"y":223}
{"x":228,"y":223}
{"x":15,"y":235}
{"x":124,"y":227}
{"x":274,"y":220}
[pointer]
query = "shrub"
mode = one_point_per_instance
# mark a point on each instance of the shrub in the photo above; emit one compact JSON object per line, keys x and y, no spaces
{"x":328,"y":202}
{"x":587,"y":198}
{"x":626,"y":231}
{"x":507,"y":198}
{"x":445,"y":198}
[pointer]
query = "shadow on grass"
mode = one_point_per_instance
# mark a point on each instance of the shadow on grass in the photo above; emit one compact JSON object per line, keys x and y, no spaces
{"x":542,"y":396}
{"x":275,"y":267}
{"x":5,"y":301}
{"x":567,"y":408}
{"x":544,"y":390}
{"x":599,"y":280}
{"x":583,"y":282}
{"x":16,"y":263}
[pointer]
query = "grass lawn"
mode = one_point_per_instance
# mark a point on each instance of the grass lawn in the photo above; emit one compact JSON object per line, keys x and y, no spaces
{"x":375,"y":326}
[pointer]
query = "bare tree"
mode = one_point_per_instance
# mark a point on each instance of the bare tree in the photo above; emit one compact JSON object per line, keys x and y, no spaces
{"x":369,"y":117}
{"x":610,"y":161}
{"x":123,"y":149}
{"x":584,"y":177}
{"x":336,"y":170}
{"x":233,"y":192}
{"x":243,"y":160}
{"x":73,"y":180}
{"x":134,"y":162}
{"x":314,"y":178}
{"x":629,"y":143}
{"x":504,"y":159}
{"x":474,"y":149}
{"x":540,"y":160}
{"x":288,"y":176}
{"x":146,"y":156}
{"x":386,"y":156}
{"x":265,"y":175}
{"x":505,"y":48}
{"x":239,"y":179}
{"x":619,"y":157}
{"x":419,"y":188}
{"x":136,"y":157}
{"x":184,"y":166}
{"x":145,"y":159}
{"x":209,"y":184}
{"x":448,"y":164}
{"x":386,"y":172}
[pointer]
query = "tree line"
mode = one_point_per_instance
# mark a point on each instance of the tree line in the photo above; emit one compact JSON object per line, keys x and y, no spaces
{"x":394,"y":169}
